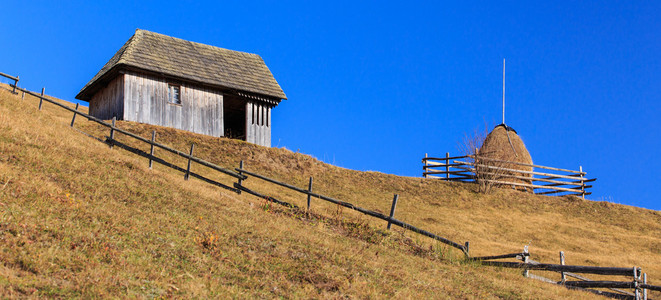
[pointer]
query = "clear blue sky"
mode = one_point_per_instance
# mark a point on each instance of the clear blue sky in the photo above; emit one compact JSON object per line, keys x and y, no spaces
{"x":376,"y":85}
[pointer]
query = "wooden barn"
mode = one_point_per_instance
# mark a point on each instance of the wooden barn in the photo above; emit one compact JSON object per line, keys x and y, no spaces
{"x":166,"y":81}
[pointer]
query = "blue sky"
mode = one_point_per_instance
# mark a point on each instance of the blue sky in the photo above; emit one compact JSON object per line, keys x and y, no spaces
{"x":376,"y":85}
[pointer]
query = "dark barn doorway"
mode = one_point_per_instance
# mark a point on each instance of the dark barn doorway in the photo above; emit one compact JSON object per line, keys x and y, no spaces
{"x":234,"y":115}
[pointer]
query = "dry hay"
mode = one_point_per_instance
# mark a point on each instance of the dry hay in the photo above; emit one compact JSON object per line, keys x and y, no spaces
{"x":503,"y":143}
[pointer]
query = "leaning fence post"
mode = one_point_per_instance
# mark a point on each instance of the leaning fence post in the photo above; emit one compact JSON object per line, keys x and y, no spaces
{"x":580,"y":169}
{"x":392,"y":210}
{"x":562,"y":262}
{"x":309,"y":191}
{"x":15,"y":84}
{"x":151,"y":149}
{"x":74,"y":115}
{"x":41,"y":99}
{"x":192,"y":146}
{"x":525,"y":260}
{"x":112,"y":132}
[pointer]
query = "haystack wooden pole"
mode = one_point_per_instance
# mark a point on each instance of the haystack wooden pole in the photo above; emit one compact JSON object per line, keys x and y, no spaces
{"x":74,"y":115}
{"x":41,"y":99}
{"x":151,"y":148}
{"x":192,"y":146}
{"x":309,"y":190}
{"x":447,"y":165}
{"x":562,"y":262}
{"x":392,"y":210}
{"x":112,"y":131}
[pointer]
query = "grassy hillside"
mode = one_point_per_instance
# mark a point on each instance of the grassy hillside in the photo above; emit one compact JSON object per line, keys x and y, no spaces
{"x":78,"y":219}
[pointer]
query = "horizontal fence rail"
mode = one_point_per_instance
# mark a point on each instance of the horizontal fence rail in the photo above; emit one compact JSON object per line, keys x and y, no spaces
{"x":541,"y":180}
{"x":15,"y":79}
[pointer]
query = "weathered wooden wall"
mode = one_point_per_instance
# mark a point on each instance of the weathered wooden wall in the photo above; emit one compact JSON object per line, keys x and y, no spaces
{"x":109,"y":101}
{"x":146,"y":101}
{"x":258,"y":123}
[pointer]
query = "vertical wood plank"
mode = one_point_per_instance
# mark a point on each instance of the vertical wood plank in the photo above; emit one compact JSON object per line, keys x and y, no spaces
{"x":192,"y":146}
{"x":645,"y":290}
{"x":151,"y":150}
{"x":392,"y":210}
{"x":447,"y":168}
{"x":467,"y":246}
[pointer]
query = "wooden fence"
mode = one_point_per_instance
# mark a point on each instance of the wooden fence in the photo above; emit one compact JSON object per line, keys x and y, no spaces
{"x":241,"y":174}
{"x":541,"y":180}
{"x":615,"y":289}
{"x":15,"y":79}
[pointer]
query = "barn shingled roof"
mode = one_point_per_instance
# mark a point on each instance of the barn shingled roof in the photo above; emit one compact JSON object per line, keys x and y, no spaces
{"x":177,"y":58}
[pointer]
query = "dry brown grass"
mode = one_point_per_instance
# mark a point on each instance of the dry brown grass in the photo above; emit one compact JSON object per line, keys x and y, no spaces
{"x":78,"y":219}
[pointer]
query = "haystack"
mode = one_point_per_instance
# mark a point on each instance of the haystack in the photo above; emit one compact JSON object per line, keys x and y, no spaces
{"x":503,"y":143}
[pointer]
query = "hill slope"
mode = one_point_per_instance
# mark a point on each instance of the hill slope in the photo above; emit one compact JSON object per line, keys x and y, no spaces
{"x":80,"y":219}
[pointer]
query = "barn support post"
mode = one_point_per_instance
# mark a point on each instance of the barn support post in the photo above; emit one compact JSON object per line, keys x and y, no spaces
{"x":392,"y":210}
{"x":151,"y":150}
{"x":563,"y":277}
{"x":41,"y":99}
{"x":192,"y":146}
{"x":240,"y":181}
{"x":310,"y":191}
{"x":112,"y":132}
{"x":74,"y":115}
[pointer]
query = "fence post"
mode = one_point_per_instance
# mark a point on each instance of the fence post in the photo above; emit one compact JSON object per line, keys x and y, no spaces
{"x":41,"y":99}
{"x":309,"y":196}
{"x":562,"y":262}
{"x":151,"y":149}
{"x":580,"y":169}
{"x":424,"y":168}
{"x":23,"y":96}
{"x":525,"y":260}
{"x":645,"y":290}
{"x":112,"y":132}
{"x":238,"y":191}
{"x":192,"y":146}
{"x":447,"y":168}
{"x":467,"y":246}
{"x":74,"y":115}
{"x":15,"y":84}
{"x":392,"y":210}
{"x":636,"y":282}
